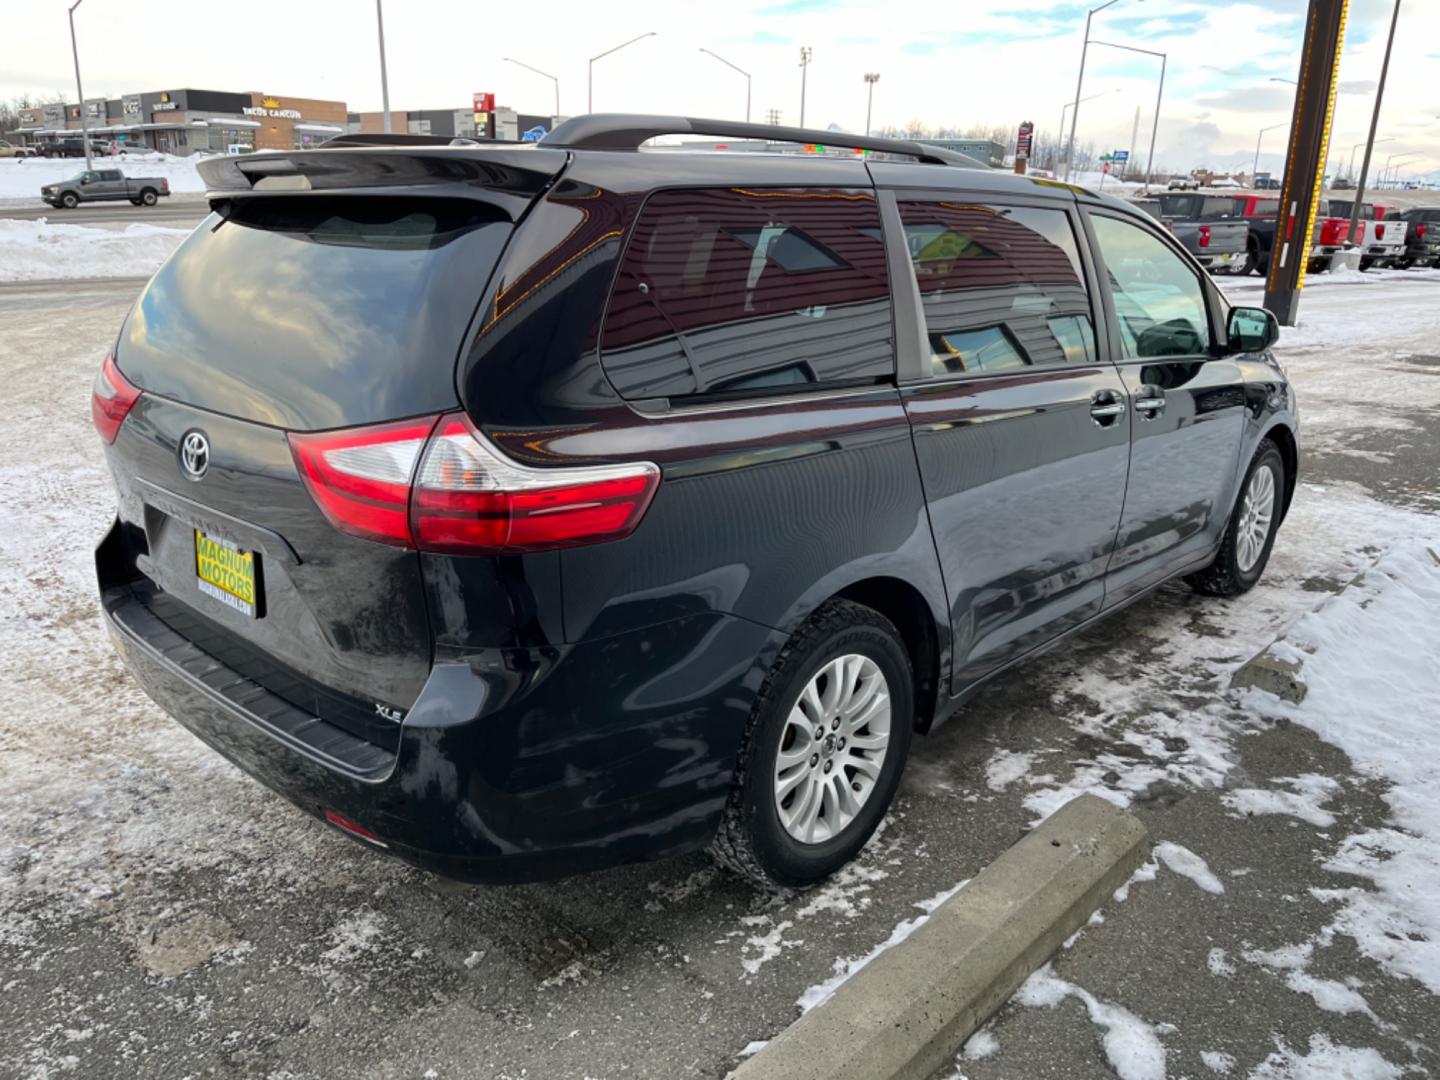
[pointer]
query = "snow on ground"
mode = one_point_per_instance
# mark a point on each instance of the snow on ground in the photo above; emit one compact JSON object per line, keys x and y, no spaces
{"x":1371,"y":660}
{"x":41,"y":249}
{"x":1326,"y":1061}
{"x":22,"y":178}
{"x":1132,"y":1046}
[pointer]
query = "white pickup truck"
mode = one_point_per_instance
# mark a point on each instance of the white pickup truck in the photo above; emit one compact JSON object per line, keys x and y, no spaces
{"x":1380,"y":242}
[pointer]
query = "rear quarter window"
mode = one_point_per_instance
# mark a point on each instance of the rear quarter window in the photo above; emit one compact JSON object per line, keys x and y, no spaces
{"x":731,"y":292}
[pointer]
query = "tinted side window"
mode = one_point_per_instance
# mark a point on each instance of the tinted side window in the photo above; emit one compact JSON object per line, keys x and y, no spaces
{"x":111,"y":174}
{"x":1159,"y":301}
{"x":1000,"y":287}
{"x":732,"y":291}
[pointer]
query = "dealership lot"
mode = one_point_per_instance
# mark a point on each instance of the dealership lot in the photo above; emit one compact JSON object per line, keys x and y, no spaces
{"x":161,"y":911}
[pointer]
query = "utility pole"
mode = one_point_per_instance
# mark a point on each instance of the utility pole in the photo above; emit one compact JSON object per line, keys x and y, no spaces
{"x":79,"y":90}
{"x":804,"y":69}
{"x":384,"y":79}
{"x":871,"y":78}
{"x":1374,"y":123}
{"x":1305,"y":159}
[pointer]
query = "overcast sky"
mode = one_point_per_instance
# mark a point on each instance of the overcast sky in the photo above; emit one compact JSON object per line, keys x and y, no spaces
{"x":951,"y":63}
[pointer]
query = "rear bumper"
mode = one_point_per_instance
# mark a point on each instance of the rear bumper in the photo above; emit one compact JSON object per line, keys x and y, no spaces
{"x":513,"y":764}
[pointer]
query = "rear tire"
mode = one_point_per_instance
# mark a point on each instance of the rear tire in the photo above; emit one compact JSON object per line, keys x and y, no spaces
{"x":833,"y":792}
{"x":148,"y":197}
{"x":1252,"y":260}
{"x":1246,"y":549}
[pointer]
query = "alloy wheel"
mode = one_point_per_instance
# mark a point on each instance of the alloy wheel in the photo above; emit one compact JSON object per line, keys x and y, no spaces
{"x":832,"y":748}
{"x":1256,"y":511}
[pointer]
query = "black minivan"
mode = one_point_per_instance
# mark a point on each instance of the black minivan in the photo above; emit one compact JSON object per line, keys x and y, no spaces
{"x":524,"y":510}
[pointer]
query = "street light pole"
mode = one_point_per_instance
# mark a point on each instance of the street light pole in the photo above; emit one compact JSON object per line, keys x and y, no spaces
{"x":804,"y":70}
{"x":1256,"y":168}
{"x":1160,"y":93}
{"x":1060,"y":138}
{"x":742,"y":71}
{"x":537,"y":71}
{"x":871,"y":78}
{"x":590,"y":80}
{"x":1079,"y":82}
{"x":79,"y":90}
{"x":1350,"y":172}
{"x":1394,"y":157}
{"x":384,"y":79}
{"x":1374,"y":123}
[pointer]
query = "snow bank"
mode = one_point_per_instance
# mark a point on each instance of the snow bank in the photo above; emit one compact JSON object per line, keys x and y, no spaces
{"x":22,"y":178}
{"x":36,"y":250}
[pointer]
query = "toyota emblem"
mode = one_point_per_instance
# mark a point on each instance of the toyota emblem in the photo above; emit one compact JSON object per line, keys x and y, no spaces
{"x":194,"y":455}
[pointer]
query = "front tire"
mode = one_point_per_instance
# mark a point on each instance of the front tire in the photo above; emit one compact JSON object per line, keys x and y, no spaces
{"x":1250,"y":533}
{"x":69,"y":201}
{"x":823,"y":752}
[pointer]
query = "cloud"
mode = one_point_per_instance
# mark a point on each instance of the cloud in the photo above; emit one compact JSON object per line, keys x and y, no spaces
{"x":1261,"y":99}
{"x":1358,"y":86}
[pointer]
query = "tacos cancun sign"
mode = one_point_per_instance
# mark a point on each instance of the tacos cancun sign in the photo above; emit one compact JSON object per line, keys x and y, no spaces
{"x":271,"y":107}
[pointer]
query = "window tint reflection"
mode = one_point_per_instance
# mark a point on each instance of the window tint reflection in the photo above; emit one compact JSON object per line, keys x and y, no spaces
{"x":1001,"y":287}
{"x":733,"y":291}
{"x":1158,"y":298}
{"x":315,"y":312}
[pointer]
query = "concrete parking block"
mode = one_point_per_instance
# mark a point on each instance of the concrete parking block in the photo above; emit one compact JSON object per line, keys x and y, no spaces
{"x":906,"y":1013}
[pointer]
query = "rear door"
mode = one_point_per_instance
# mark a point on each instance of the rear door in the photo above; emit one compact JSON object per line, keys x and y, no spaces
{"x":1021,"y":428}
{"x":1187,"y":407}
{"x":284,"y":316}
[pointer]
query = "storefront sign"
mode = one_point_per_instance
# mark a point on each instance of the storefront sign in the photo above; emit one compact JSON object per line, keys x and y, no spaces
{"x":271,"y":107}
{"x":30,"y":117}
{"x":484,"y":103}
{"x":132,"y":106}
{"x":164,"y":106}
{"x":54,"y":114}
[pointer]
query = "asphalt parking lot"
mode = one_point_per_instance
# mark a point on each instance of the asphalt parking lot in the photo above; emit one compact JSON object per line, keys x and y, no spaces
{"x":161,"y":915}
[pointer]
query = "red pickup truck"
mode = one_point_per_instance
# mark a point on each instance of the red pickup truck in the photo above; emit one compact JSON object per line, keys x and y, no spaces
{"x":1381,"y":242}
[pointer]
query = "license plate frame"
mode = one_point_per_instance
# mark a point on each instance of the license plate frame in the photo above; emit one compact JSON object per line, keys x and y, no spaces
{"x":228,"y":573}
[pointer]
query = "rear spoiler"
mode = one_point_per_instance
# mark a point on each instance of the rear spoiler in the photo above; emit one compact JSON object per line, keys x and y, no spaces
{"x":510,"y":177}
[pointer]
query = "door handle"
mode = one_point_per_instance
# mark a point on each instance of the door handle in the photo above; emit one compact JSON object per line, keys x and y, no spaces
{"x":1106,"y":407}
{"x":1151,"y":406}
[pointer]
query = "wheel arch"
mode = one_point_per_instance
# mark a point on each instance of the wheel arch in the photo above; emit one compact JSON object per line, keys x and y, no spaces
{"x":905,"y":606}
{"x":1284,"y":439}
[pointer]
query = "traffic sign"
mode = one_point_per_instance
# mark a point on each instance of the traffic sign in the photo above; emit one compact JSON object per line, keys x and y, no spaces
{"x":1120,"y":155}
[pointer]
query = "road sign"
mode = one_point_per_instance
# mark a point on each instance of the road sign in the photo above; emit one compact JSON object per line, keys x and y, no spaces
{"x":1107,"y":157}
{"x":1120,"y":155}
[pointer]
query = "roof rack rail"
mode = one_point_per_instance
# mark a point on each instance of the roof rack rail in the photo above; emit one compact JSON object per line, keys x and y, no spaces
{"x":397,"y":138}
{"x":626,"y":131}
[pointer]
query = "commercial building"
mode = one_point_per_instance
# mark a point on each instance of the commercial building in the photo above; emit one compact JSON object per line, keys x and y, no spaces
{"x":456,"y":123}
{"x":188,"y":121}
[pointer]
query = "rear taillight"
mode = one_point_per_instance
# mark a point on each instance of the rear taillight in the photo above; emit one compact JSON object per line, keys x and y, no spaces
{"x":111,"y":400}
{"x":1204,"y":235}
{"x":1379,"y":232}
{"x":1420,"y":232}
{"x":437,"y":484}
{"x":360,"y":478}
{"x":471,"y":498}
{"x":1333,"y":231}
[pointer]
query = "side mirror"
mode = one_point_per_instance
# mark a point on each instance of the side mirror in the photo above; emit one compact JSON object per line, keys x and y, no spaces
{"x":1252,"y":330}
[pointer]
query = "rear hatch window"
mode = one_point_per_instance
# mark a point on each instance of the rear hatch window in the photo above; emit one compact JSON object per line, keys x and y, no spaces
{"x":316,"y":312}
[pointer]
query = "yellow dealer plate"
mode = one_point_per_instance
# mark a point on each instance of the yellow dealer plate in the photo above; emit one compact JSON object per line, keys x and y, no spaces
{"x":225,"y":573}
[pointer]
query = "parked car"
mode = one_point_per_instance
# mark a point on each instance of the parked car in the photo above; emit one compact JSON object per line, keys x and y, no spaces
{"x":1183,"y":183}
{"x":1206,"y":226}
{"x":1381,"y":242}
{"x":131,"y":150}
{"x":14,"y":150}
{"x":1422,"y":236}
{"x":555,"y":506}
{"x":1343,"y":183}
{"x":70,"y":148}
{"x":98,"y":185}
{"x":1261,"y":214}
